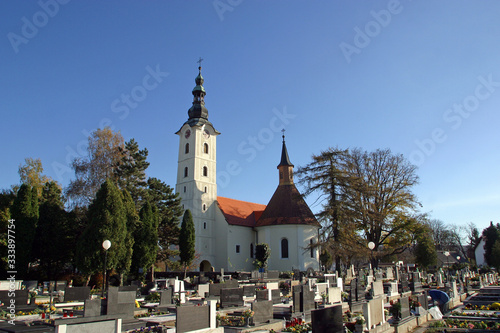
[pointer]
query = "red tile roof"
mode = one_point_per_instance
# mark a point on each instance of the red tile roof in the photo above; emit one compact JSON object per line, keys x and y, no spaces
{"x":241,"y":213}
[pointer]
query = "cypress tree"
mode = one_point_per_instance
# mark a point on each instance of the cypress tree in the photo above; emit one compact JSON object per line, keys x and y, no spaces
{"x":132,"y":223}
{"x":146,"y":239}
{"x":107,"y":221}
{"x":25,"y":214}
{"x":187,"y":240}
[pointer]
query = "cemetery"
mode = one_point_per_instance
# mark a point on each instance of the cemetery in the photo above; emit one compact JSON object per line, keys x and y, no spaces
{"x":388,"y":299}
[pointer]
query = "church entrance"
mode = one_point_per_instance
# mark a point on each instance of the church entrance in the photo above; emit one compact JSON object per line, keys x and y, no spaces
{"x":205,"y":266}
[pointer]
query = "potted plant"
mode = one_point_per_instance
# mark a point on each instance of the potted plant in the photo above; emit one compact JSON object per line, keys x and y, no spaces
{"x":248,"y":314}
{"x":360,"y":323}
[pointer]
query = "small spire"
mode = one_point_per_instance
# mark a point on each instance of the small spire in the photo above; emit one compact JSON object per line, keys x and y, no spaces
{"x":285,"y":160}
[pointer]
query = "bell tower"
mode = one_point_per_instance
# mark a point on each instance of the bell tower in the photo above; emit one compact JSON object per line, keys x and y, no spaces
{"x":196,"y":172}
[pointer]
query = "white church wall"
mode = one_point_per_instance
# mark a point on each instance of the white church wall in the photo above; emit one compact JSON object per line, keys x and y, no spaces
{"x":221,"y":240}
{"x":239,"y":239}
{"x":298,"y":256}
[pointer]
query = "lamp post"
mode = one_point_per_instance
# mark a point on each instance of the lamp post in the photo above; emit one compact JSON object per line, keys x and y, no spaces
{"x":371,"y":246}
{"x":447,"y":254}
{"x":105,"y":245}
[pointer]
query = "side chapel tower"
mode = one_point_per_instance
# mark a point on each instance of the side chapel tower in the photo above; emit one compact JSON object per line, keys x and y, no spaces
{"x":196,"y":172}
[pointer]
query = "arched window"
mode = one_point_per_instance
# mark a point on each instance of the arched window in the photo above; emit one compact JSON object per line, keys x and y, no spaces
{"x":187,"y":148}
{"x":205,"y":189}
{"x":204,"y":207}
{"x":204,"y":225}
{"x":185,"y":171}
{"x":251,"y":250}
{"x":205,"y":171}
{"x":312,"y":249}
{"x":205,"y":148}
{"x":184,"y":189}
{"x":284,"y":248}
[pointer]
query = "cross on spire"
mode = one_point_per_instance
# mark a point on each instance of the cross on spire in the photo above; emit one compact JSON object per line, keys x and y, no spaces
{"x":199,"y":62}
{"x":283,"y":136}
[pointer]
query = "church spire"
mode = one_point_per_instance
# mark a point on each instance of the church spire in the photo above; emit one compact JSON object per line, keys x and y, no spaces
{"x":285,"y":167}
{"x":198,"y":110}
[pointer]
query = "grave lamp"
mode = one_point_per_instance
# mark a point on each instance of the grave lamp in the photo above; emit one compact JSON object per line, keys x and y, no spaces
{"x":371,"y":246}
{"x":105,"y":245}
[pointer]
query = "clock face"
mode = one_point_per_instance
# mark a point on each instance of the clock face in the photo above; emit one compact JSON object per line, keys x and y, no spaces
{"x":206,"y":134}
{"x":187,"y":134}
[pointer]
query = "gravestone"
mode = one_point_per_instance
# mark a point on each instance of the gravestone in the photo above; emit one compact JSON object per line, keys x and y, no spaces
{"x":331,"y":280}
{"x":379,"y":276}
{"x":191,"y":318}
{"x":214,"y":289}
{"x":303,"y":301}
{"x":231,"y":297}
{"x":422,"y":299}
{"x":389,"y":273}
{"x":92,"y":307}
{"x":321,"y":288}
{"x":166,"y":298}
{"x":334,"y":295}
{"x":377,"y":288}
{"x":327,"y":320}
{"x":61,"y":285}
{"x":30,"y":285}
{"x":20,"y":298}
{"x":273,"y":275}
{"x":275,"y":296}
{"x":231,"y":284}
{"x":405,"y":307}
{"x":405,"y":286}
{"x":76,"y":294}
{"x":203,"y":290}
{"x":120,"y":303}
{"x":373,"y":311}
{"x":255,"y":275}
{"x":263,"y":311}
{"x":249,"y":291}
{"x":262,"y":295}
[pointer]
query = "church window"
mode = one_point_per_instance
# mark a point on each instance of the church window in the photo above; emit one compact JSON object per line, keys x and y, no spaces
{"x":205,"y":189}
{"x":312,"y":249}
{"x":205,"y":148}
{"x":205,"y":171}
{"x":184,"y":189}
{"x":187,"y":148}
{"x":204,"y":207}
{"x":204,"y":225}
{"x":185,"y":171}
{"x":251,"y":250}
{"x":284,"y":248}
{"x":281,"y":174}
{"x":237,"y":249}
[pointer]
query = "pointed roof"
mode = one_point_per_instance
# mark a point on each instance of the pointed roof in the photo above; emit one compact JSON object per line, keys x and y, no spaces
{"x":242,"y":213}
{"x":287,"y":206}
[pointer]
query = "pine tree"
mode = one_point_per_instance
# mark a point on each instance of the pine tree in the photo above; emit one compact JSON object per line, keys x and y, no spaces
{"x":25,"y":213}
{"x":187,"y":240}
{"x":107,"y":220}
{"x":146,"y":239}
{"x":170,"y":211}
{"x":425,"y":251}
{"x":131,"y":172}
{"x":492,"y":234}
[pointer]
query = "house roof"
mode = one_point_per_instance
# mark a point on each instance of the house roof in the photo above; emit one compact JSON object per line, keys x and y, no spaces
{"x":239,"y":212}
{"x":287,"y":206}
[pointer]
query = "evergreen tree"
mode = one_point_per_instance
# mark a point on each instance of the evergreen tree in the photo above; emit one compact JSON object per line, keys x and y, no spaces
{"x":262,"y":254}
{"x":187,"y":241}
{"x":425,"y":251}
{"x":132,"y":223}
{"x":131,"y":172}
{"x":6,"y":200}
{"x":52,"y":241}
{"x":492,"y":234}
{"x":25,"y":213}
{"x":107,"y":220}
{"x":146,"y":239}
{"x":170,"y":211}
{"x":495,"y":255}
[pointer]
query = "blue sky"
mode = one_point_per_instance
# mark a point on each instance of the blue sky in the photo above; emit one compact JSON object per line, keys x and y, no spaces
{"x":419,"y":77}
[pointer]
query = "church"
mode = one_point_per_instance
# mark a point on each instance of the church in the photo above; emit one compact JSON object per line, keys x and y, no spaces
{"x":227,"y":230}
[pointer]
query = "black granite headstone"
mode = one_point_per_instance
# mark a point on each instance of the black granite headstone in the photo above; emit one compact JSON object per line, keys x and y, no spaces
{"x":214,"y":289}
{"x":327,"y":320}
{"x":231,"y":297}
{"x":405,"y":307}
{"x":249,"y":291}
{"x":191,"y":318}
{"x":92,"y":307}
{"x":20,"y":298}
{"x":76,"y":294}
{"x":120,"y":302}
{"x":273,"y":275}
{"x":30,"y":284}
{"x":263,"y":311}
{"x":422,"y":299}
{"x":61,"y":285}
{"x":275,"y":296}
{"x":262,"y":295}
